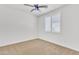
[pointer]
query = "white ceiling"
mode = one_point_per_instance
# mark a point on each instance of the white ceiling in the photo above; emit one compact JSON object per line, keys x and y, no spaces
{"x":26,"y":9}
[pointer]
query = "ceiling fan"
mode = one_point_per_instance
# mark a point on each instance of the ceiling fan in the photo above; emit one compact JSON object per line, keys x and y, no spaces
{"x":36,"y":7}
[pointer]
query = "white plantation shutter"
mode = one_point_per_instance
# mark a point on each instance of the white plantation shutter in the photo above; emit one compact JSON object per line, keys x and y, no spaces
{"x":48,"y":24}
{"x":52,"y":23}
{"x":56,"y":23}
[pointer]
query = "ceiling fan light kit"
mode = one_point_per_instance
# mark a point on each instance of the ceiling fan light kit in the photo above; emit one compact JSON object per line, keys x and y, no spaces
{"x":36,"y":7}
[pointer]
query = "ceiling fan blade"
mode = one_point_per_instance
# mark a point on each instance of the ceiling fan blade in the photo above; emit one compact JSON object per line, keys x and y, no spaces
{"x":43,"y":6}
{"x":33,"y":10}
{"x":28,"y":5}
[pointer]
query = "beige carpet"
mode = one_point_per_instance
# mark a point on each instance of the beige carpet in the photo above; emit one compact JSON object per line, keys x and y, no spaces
{"x":36,"y":47}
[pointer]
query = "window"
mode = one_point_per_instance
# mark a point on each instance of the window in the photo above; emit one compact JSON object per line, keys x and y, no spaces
{"x":52,"y":23}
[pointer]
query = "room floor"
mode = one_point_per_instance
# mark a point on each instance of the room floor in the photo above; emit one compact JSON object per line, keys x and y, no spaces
{"x":36,"y":47}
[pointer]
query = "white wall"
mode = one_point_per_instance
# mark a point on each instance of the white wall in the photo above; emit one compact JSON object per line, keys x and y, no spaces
{"x":69,"y":35}
{"x":15,"y":26}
